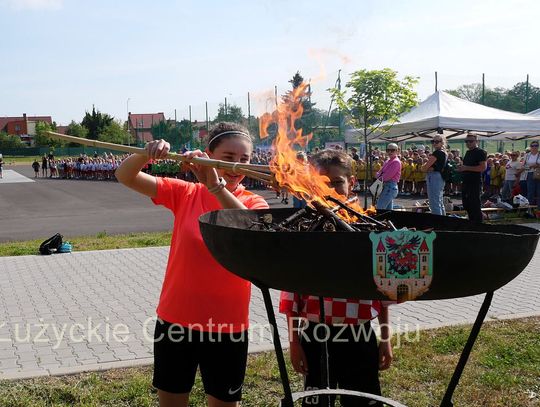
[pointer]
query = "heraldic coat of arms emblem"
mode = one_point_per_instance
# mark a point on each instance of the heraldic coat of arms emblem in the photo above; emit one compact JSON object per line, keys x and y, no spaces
{"x":402,"y":263}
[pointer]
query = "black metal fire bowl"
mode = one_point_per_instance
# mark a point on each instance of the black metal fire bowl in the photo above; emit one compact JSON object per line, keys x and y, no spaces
{"x":467,"y":258}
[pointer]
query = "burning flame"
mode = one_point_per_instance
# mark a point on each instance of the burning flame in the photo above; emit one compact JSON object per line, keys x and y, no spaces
{"x":302,"y":179}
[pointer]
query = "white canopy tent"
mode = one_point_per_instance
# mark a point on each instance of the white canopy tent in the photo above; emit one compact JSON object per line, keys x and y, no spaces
{"x":442,"y":112}
{"x":356,"y":136}
{"x":517,"y":136}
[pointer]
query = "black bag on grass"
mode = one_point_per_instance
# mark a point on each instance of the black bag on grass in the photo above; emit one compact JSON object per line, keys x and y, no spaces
{"x":52,"y":243}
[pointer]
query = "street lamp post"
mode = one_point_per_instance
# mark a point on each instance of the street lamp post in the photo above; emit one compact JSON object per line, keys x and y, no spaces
{"x":127,"y":112}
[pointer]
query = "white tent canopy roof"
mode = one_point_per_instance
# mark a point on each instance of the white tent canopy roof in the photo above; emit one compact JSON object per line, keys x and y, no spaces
{"x":458,"y":116}
{"x":527,"y":135}
{"x":535,"y":113}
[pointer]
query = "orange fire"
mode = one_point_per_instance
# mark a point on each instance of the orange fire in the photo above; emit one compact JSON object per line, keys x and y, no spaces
{"x":303,"y":180}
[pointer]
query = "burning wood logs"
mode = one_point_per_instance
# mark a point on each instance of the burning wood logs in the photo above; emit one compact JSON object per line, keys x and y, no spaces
{"x":319,"y":217}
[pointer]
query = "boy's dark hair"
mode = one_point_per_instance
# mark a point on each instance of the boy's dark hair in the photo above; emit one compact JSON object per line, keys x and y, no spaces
{"x":232,"y":129}
{"x":327,"y":158}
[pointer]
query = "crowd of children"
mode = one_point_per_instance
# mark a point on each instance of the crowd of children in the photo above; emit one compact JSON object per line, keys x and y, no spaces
{"x":412,"y":183}
{"x":499,"y":179}
{"x":82,"y":167}
{"x":413,"y":179}
{"x":102,"y":167}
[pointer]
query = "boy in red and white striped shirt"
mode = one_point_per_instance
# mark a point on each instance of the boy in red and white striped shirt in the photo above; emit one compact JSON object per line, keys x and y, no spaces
{"x":354,"y":358}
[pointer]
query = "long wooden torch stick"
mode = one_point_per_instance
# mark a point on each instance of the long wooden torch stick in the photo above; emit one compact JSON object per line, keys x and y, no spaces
{"x":250,"y":170}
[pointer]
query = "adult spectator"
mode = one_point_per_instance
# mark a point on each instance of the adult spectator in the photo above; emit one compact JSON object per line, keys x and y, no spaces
{"x":435,"y":182}
{"x":474,"y":163}
{"x":44,"y":166}
{"x":533,"y":185}
{"x":511,"y":178}
{"x":523,"y":175}
{"x":1,"y":165}
{"x":390,"y":174}
{"x":354,"y":154}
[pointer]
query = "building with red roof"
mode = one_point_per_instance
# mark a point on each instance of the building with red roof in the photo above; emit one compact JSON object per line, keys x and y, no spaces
{"x":23,"y":126}
{"x":140,"y":125}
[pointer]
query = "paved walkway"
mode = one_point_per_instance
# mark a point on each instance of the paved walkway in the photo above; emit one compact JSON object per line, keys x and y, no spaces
{"x":13,"y":177}
{"x":84,"y":311}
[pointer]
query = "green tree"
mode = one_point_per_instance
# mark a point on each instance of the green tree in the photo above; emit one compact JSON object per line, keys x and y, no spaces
{"x":96,"y":122}
{"x":233,"y":114}
{"x":518,"y":99}
{"x":77,"y":130}
{"x":10,"y":141}
{"x":175,"y":133}
{"x":42,"y":139}
{"x":252,"y":124}
{"x":310,"y":118}
{"x":114,"y":132}
{"x":525,"y":97}
{"x":185,"y":130}
{"x":373,"y":97}
{"x":471,"y":92}
{"x":327,"y":127}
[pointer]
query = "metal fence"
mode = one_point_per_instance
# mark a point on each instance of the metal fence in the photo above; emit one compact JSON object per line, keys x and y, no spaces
{"x":58,"y":151}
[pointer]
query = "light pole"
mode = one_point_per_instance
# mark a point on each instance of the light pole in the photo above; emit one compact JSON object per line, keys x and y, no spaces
{"x":127,"y":112}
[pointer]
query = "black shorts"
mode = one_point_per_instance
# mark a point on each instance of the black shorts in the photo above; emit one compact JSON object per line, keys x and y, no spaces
{"x":221,"y":358}
{"x":353,"y":359}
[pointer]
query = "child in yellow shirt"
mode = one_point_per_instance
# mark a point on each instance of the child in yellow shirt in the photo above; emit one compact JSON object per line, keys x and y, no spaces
{"x":408,"y":176}
{"x":419,"y":177}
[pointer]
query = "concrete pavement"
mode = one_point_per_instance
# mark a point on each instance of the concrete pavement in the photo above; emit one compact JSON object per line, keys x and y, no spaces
{"x":69,"y":313}
{"x":38,"y":208}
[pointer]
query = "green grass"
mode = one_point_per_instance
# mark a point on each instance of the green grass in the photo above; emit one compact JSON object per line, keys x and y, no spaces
{"x":504,"y":370}
{"x":19,"y":160}
{"x":100,"y":241}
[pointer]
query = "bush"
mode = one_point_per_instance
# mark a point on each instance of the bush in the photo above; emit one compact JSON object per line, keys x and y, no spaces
{"x":8,"y":141}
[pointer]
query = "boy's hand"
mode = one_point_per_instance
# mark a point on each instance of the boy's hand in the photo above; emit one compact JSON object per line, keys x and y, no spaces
{"x":385,"y":355}
{"x":157,"y":149}
{"x":298,"y":358}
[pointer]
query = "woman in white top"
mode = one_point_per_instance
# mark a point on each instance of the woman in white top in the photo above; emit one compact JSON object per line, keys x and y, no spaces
{"x":511,"y":178}
{"x":532,"y":161}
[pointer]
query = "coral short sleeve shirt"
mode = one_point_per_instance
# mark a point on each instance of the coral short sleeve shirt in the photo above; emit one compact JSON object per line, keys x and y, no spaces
{"x":198,"y":293}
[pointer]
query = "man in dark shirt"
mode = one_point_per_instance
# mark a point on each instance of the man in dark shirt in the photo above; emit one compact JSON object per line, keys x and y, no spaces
{"x":474,"y":163}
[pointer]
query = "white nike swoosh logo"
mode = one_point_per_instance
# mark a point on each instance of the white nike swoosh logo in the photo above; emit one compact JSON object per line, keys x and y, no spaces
{"x":231,"y":392}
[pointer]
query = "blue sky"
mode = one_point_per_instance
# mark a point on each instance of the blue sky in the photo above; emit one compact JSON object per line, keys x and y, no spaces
{"x":62,"y":56}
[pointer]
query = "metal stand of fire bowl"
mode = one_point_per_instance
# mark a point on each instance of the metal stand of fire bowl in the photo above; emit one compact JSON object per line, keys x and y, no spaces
{"x":290,"y":398}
